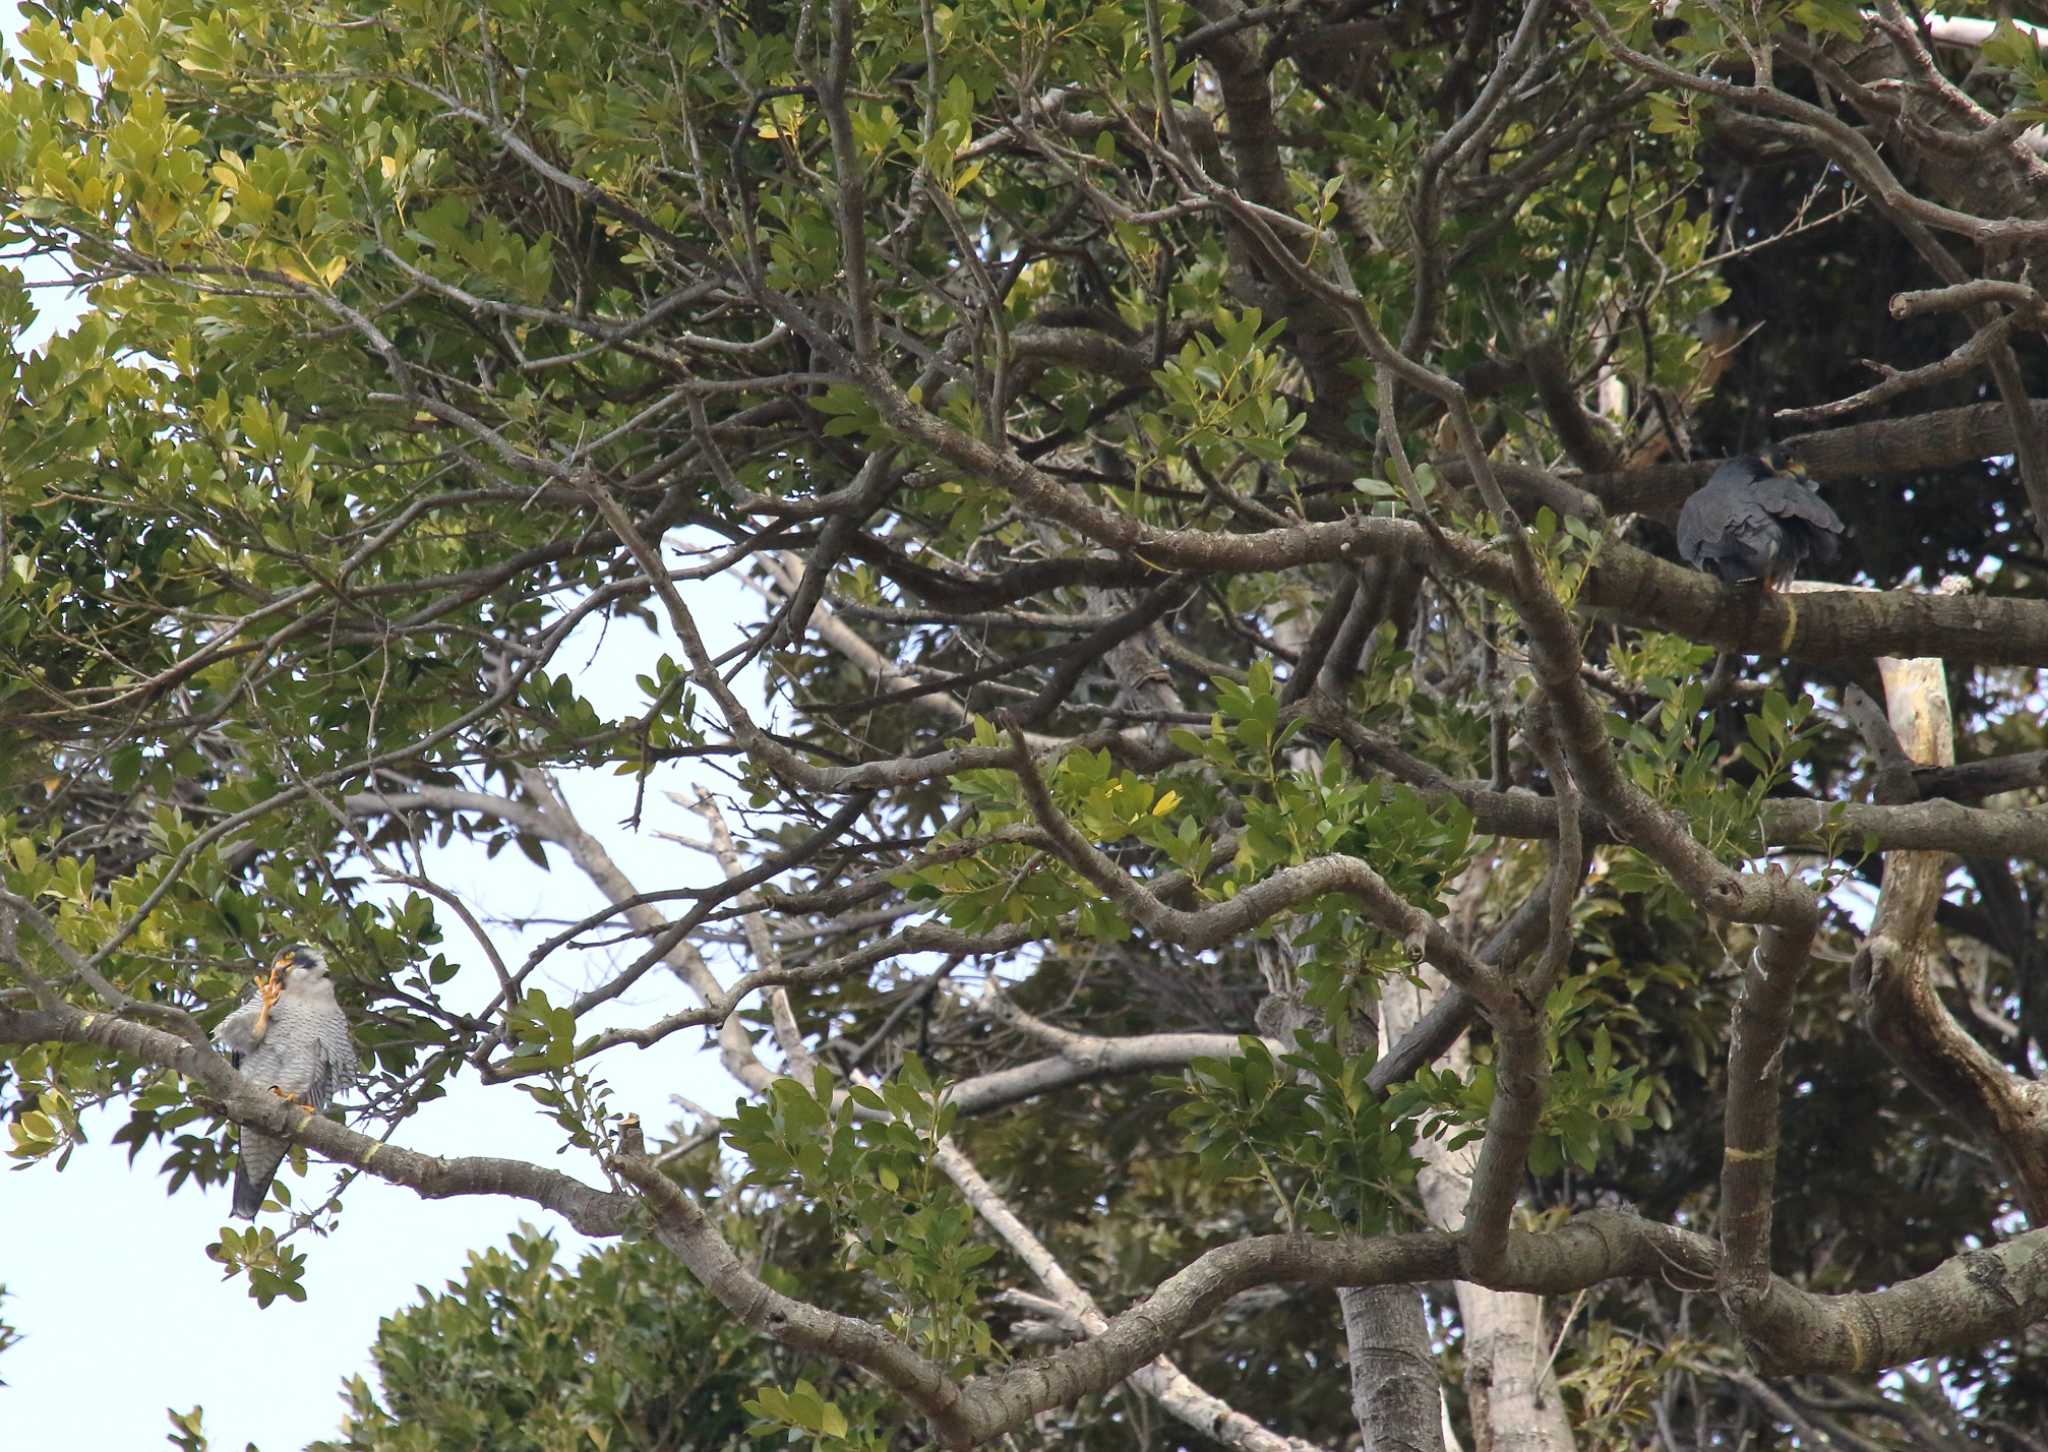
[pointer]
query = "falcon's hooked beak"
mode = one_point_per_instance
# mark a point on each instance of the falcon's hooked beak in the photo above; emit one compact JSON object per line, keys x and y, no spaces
{"x":1781,"y":460}
{"x":296,"y":958}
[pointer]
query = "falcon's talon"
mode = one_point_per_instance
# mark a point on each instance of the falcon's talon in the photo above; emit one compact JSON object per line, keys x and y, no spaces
{"x":268,"y":992}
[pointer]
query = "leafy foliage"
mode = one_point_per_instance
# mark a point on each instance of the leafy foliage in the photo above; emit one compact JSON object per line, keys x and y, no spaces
{"x":621,"y":1351}
{"x":1306,"y":1127}
{"x":1016,"y":354}
{"x":887,"y":1199}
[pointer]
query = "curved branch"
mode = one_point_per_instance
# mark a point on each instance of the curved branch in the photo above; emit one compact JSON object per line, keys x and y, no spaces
{"x":591,"y":1210}
{"x":1267,"y":898}
{"x":1893,"y":978}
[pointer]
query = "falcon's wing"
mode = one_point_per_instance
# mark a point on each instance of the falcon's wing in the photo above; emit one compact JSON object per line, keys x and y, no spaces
{"x":1720,"y":512}
{"x":333,"y":1062}
{"x":1789,"y":500}
{"x":236,"y":1034}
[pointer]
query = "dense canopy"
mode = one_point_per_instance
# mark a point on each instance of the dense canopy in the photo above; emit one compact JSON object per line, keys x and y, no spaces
{"x":1265,"y":908}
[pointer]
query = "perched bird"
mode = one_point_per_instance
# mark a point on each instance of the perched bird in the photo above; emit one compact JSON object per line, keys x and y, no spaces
{"x":1756,"y":518}
{"x":291,"y":1038}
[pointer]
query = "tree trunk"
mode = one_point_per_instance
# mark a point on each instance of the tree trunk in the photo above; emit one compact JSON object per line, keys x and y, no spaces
{"x":1514,"y":1399}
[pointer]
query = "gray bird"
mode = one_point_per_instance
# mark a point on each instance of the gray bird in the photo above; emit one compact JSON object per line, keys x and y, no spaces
{"x":291,"y":1038}
{"x":1756,"y":519}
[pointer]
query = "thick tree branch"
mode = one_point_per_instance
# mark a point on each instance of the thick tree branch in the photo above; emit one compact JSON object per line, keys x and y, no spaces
{"x":1893,"y":973}
{"x":590,"y":1210}
{"x":1159,"y":1379}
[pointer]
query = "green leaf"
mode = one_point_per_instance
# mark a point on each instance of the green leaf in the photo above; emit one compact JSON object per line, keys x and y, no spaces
{"x":2010,"y":46}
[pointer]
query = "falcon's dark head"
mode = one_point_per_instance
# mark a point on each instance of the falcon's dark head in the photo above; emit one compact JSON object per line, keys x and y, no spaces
{"x":298,"y":960}
{"x":1780,"y":459}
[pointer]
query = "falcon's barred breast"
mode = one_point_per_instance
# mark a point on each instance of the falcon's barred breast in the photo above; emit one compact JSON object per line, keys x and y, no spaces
{"x":290,"y":1037}
{"x":1752,"y":520}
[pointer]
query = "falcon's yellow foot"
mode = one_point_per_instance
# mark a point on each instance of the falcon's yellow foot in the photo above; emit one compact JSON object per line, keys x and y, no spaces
{"x":290,"y":1098}
{"x":269,"y":991}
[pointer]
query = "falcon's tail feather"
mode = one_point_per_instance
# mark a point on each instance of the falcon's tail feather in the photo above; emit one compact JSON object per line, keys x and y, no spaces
{"x":257,"y":1167}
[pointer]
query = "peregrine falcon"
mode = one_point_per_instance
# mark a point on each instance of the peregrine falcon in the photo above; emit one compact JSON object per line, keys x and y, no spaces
{"x":291,"y":1038}
{"x":1756,"y":519}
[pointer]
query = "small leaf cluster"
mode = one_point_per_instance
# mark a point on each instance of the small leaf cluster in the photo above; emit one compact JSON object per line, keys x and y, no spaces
{"x":1335,"y":1155}
{"x":1225,"y":395}
{"x":49,"y":1128}
{"x":581,"y":1105}
{"x":1673,"y":756}
{"x":1291,"y":816}
{"x":1593,"y":1103}
{"x":865,"y":1155}
{"x":1566,"y":551}
{"x":274,"y":1269}
{"x":1613,"y":1380}
{"x":803,"y":1414}
{"x":9,"y":1336}
{"x":544,"y":1032}
{"x":1004,"y":883}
